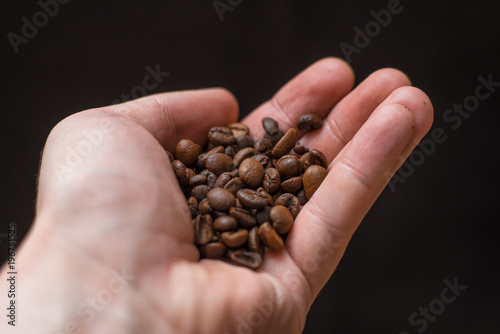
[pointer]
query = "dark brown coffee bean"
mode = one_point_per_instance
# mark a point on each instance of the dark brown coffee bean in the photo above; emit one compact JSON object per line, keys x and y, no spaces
{"x":270,"y":238}
{"x":271,"y":181}
{"x":197,"y":180}
{"x":219,"y":163}
{"x":213,"y":250}
{"x":262,"y":145}
{"x":200,"y":192}
{"x":221,"y":135}
{"x":292,"y":185}
{"x":275,"y":138}
{"x":235,"y":239}
{"x":254,"y":240}
{"x":181,"y":172}
{"x":281,"y":218}
{"x":262,"y":159}
{"x":309,"y":122}
{"x":211,"y":177}
{"x":193,"y":206}
{"x":251,"y":260}
{"x":252,"y":199}
{"x":288,"y":166}
{"x":223,"y":179}
{"x":263,"y":215}
{"x":241,"y":155}
{"x":204,"y":208}
{"x":225,"y":223}
{"x":251,"y":172}
{"x":289,"y":201}
{"x":187,"y":152}
{"x":221,"y":199}
{"x":313,"y":176}
{"x":202,"y":158}
{"x":170,"y":156}
{"x":270,"y":125}
{"x":285,"y":144}
{"x":262,"y":192}
{"x":238,"y":129}
{"x":300,"y":149}
{"x":244,"y":142}
{"x":301,"y":195}
{"x":229,"y":151}
{"x":234,"y":185}
{"x":216,"y":214}
{"x":313,"y":157}
{"x":203,"y":231}
{"x":243,"y":217}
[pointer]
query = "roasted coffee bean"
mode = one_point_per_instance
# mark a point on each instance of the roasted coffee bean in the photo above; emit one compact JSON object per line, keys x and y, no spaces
{"x":181,"y":172}
{"x":221,"y":135}
{"x":291,"y":202}
{"x":225,"y":223}
{"x":313,"y":176}
{"x":238,"y":129}
{"x":271,"y":181}
{"x":203,"y":231}
{"x":254,"y":240}
{"x":211,"y":177}
{"x":221,"y":199}
{"x":204,"y":208}
{"x":281,"y":218}
{"x":262,"y":145}
{"x":270,"y":126}
{"x":251,"y":260}
{"x":309,"y":122}
{"x":262,"y":159}
{"x":292,"y":185}
{"x":262,"y":192}
{"x":263,"y":215}
{"x":217,"y":214}
{"x":243,"y":217}
{"x":301,"y":195}
{"x":219,"y":163}
{"x":235,"y":239}
{"x":241,"y":155}
{"x":213,"y":250}
{"x":202,"y":158}
{"x":229,"y":151}
{"x":251,"y":172}
{"x":313,"y":157}
{"x":223,"y":179}
{"x":244,"y":142}
{"x":285,"y":144}
{"x":252,"y":199}
{"x":300,"y":149}
{"x":270,"y":238}
{"x":275,"y":138}
{"x":288,"y":166}
{"x":200,"y":192}
{"x":197,"y":180}
{"x":170,"y":156}
{"x":235,"y":185}
{"x":193,"y":206}
{"x":187,"y":152}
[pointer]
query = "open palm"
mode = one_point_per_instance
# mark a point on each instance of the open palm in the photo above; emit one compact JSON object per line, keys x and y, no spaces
{"x":109,"y":206}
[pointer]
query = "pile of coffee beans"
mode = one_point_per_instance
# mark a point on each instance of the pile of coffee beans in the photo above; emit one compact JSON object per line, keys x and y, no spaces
{"x":244,"y":194}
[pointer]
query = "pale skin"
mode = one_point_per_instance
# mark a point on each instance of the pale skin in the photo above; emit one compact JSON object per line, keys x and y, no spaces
{"x":120,"y":207}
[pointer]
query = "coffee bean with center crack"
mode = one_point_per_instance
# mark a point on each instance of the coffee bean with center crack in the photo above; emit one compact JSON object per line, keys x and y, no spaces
{"x":244,"y":141}
{"x":251,"y":172}
{"x":240,"y":257}
{"x":271,"y":181}
{"x":234,"y":185}
{"x":313,"y":176}
{"x":241,"y":155}
{"x":204,"y":208}
{"x":181,"y":172}
{"x":203,"y":231}
{"x":235,"y":239}
{"x":309,"y":122}
{"x":292,"y":185}
{"x":286,"y":143}
{"x":313,"y":157}
{"x":223,"y":179}
{"x":221,"y":135}
{"x":219,"y":163}
{"x":221,"y":199}
{"x":270,"y":238}
{"x":252,"y":199}
{"x":289,"y":201}
{"x":243,"y":217}
{"x":202,"y":158}
{"x":200,"y":192}
{"x":238,"y":129}
{"x":213,"y":250}
{"x":288,"y":166}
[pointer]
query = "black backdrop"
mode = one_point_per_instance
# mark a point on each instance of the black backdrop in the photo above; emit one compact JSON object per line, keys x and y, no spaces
{"x":439,"y":224}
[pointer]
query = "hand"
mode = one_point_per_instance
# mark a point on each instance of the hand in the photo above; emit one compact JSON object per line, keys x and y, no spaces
{"x":111,"y":249}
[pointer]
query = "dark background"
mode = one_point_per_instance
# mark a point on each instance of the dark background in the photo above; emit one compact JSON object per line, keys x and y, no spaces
{"x":439,"y":224}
